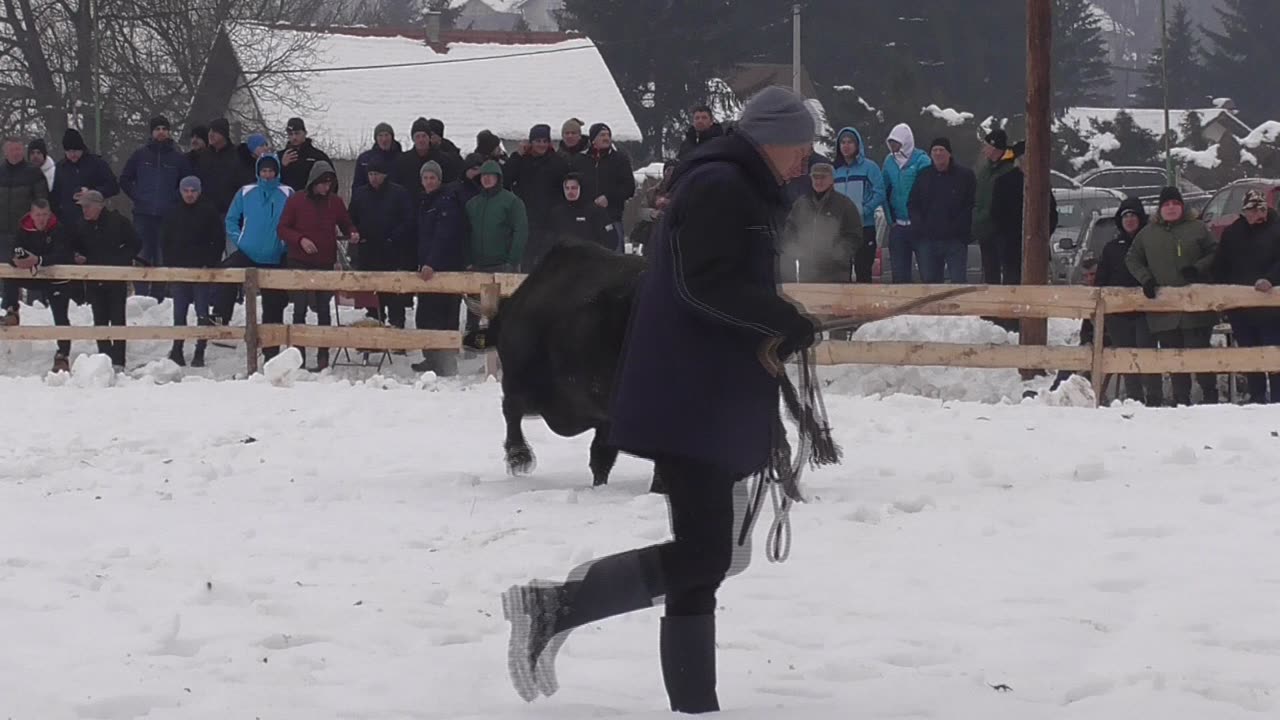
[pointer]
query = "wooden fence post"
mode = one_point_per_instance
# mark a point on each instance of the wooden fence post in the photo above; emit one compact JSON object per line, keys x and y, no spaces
{"x":251,"y":319}
{"x":1099,"y":332}
{"x":490,"y":297}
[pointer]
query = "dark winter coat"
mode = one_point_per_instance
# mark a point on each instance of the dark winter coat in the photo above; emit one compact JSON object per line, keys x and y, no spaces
{"x":19,"y":185}
{"x":987,"y":176}
{"x":694,"y":139}
{"x":822,"y":234}
{"x":221,"y":174}
{"x":91,"y":172}
{"x":360,"y":178}
{"x":193,"y":236}
{"x":384,"y":218}
{"x":442,"y":231}
{"x":1112,"y":269}
{"x":298,"y":173}
{"x":608,"y":174}
{"x":941,"y":205}
{"x":150,"y":178}
{"x":1006,"y":211}
{"x":568,"y":152}
{"x":1161,"y":253}
{"x":582,"y":220}
{"x":54,"y":245}
{"x":691,"y":383}
{"x":316,"y":218}
{"x":109,"y":240}
{"x":1246,"y":254}
{"x":538,"y":182}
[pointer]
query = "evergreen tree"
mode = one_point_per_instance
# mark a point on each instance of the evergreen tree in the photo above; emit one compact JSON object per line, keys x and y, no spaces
{"x":1186,"y":72}
{"x":1192,"y":132}
{"x":1080,"y":74}
{"x":1136,"y":146}
{"x":1068,"y":145}
{"x":1241,"y":55}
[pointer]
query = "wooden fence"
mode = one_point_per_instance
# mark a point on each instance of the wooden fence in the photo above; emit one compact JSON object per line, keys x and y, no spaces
{"x":1007,"y":302}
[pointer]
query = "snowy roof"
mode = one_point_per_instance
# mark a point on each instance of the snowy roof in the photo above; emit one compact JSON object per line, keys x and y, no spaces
{"x":950,"y":116}
{"x":1108,"y":24}
{"x":1268,"y":132}
{"x":1149,"y":119}
{"x":471,"y":86}
{"x":502,"y":6}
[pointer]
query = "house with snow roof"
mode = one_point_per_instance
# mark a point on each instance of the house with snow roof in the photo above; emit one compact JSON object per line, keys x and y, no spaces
{"x":356,"y":77}
{"x":539,"y":15}
{"x":1217,"y":121}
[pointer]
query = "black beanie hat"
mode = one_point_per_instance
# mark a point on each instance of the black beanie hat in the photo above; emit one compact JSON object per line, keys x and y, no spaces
{"x":222,"y":127}
{"x":435,"y":127}
{"x":159,"y":121}
{"x":38,"y":144}
{"x":541,"y":131}
{"x":295,"y":124}
{"x":73,"y":140}
{"x":998,"y":139}
{"x":487,"y":142}
{"x":1170,"y":193}
{"x":940,"y":142}
{"x":202,"y":132}
{"x":596,"y":130}
{"x":420,"y":125}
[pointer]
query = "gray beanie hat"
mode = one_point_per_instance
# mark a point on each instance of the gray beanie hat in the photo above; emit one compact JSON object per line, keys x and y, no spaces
{"x":432,"y":167}
{"x":190,"y":182}
{"x":777,"y":116}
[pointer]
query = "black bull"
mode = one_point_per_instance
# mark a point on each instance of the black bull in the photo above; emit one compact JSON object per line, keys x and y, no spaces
{"x":559,"y":338}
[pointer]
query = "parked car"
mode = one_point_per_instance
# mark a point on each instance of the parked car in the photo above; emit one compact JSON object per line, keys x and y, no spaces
{"x":1224,"y":207}
{"x":1062,"y":181}
{"x":1144,"y":183}
{"x":1069,"y":253}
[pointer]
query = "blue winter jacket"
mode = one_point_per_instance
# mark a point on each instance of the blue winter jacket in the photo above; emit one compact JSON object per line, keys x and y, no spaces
{"x":860,"y":181}
{"x":898,"y":181}
{"x":254,"y":217}
{"x":150,"y":178}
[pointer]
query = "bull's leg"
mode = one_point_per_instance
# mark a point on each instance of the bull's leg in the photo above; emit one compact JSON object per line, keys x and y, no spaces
{"x":603,"y":457}
{"x":520,"y":458}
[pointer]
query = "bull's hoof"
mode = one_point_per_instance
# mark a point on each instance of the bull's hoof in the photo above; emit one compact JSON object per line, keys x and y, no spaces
{"x":520,"y":460}
{"x":598,"y":479}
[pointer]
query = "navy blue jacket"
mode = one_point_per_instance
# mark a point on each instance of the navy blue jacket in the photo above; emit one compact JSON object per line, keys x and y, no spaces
{"x":384,"y":218}
{"x":941,"y":204}
{"x":150,"y":178}
{"x":442,"y":231}
{"x":91,"y":172}
{"x":691,"y":384}
{"x":360,"y":177}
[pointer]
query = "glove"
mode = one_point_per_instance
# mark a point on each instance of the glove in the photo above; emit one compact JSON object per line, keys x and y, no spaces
{"x":799,"y":337}
{"x":1190,"y":274}
{"x":1149,"y":289}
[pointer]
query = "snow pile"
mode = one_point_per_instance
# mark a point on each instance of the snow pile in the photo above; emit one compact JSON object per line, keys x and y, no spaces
{"x":1207,"y":159}
{"x":283,"y":369}
{"x":950,"y":116}
{"x":160,"y":372}
{"x":1248,"y":158}
{"x":93,"y":371}
{"x":1075,"y":391}
{"x":1266,"y":133}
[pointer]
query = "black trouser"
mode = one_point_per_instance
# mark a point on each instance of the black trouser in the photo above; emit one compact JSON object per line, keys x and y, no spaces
{"x":108,"y":302}
{"x":1129,"y":330}
{"x":273,"y":301}
{"x":1253,"y":330}
{"x":864,"y":259}
{"x":59,"y":295}
{"x":1001,"y":260}
{"x":391,"y":306}
{"x":1189,"y":338}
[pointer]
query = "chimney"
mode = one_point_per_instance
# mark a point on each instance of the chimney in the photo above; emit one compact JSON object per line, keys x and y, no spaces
{"x":432,"y":19}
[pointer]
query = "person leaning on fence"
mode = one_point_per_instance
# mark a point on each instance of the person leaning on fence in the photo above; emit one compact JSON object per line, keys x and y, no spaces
{"x":192,"y":237}
{"x":442,"y":226}
{"x":19,"y":185}
{"x":1249,"y":255}
{"x":1175,"y":250}
{"x":1129,"y":330}
{"x":309,"y":228}
{"x":382,"y":213}
{"x":43,"y":242}
{"x":150,"y":179}
{"x":106,"y":238}
{"x":252,"y":227}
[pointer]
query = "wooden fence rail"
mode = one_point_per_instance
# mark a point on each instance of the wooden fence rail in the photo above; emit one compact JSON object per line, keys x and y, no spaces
{"x":837,"y":300}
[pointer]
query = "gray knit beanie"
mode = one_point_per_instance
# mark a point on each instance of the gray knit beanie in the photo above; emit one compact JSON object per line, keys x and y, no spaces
{"x":432,"y":167}
{"x":777,"y":116}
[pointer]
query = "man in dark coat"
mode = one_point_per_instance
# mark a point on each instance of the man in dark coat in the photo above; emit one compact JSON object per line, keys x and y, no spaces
{"x":385,"y":147}
{"x":444,"y":151}
{"x":536,"y":175}
{"x":1249,"y":254}
{"x":572,"y":143}
{"x":382,"y":212}
{"x":468,"y":185}
{"x":1127,"y":330}
{"x":693,"y":396}
{"x":577,"y":218}
{"x":798,"y":187}
{"x":408,"y":166}
{"x":44,"y":242}
{"x":106,"y":238}
{"x":442,"y":230}
{"x":150,"y":179}
{"x":300,"y":156}
{"x":703,"y":128}
{"x":20,"y":183}
{"x":220,"y":168}
{"x":1006,"y":223}
{"x":194,"y":237}
{"x":609,"y":179}
{"x":79,"y":170}
{"x":822,"y":234}
{"x":941,"y":207}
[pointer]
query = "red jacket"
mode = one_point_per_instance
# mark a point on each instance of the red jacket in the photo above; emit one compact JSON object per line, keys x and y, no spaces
{"x":316,"y":218}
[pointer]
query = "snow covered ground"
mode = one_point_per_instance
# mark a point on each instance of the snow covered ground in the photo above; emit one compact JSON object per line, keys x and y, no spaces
{"x":336,"y":550}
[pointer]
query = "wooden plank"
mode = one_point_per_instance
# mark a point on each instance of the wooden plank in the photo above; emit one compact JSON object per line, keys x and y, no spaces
{"x":373,"y":338}
{"x":490,"y":297}
{"x":1099,"y":336}
{"x":137,"y":332}
{"x":251,"y":324}
{"x":384,"y":282}
{"x":919,"y":354}
{"x":1213,"y":360}
{"x":509,"y":282}
{"x":1003,"y":301}
{"x":126,"y":274}
{"x":1195,"y":298}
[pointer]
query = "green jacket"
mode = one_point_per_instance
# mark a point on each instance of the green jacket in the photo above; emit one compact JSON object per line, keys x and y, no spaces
{"x":1161,"y":252}
{"x":499,"y":225}
{"x":988,"y":173}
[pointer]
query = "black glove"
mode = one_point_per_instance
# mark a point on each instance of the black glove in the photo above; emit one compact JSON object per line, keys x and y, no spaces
{"x":1191,"y":274}
{"x":1149,"y":289}
{"x":799,"y":337}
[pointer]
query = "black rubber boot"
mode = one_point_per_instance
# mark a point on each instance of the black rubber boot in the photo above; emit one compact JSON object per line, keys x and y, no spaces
{"x":176,"y":354}
{"x":688,"y":649}
{"x":197,"y":358}
{"x":542,"y":614}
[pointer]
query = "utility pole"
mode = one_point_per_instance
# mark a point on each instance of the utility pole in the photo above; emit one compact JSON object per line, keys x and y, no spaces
{"x":1164,"y":73}
{"x":1035,"y":208}
{"x":795,"y":48}
{"x":95,"y":49}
